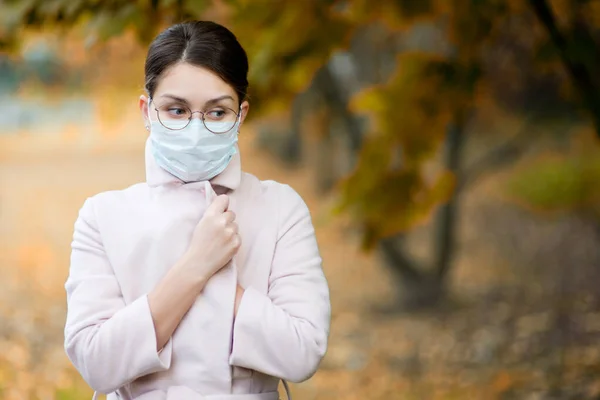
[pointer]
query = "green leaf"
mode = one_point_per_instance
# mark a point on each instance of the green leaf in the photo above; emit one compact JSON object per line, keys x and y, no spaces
{"x":558,"y":184}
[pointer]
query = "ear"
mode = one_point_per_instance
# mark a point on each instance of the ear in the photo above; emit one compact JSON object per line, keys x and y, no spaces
{"x":245,"y":107}
{"x":144,"y":104}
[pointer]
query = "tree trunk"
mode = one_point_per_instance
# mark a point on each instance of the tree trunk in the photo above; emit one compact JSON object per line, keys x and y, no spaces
{"x":292,"y":150}
{"x":447,"y":215}
{"x":422,"y":287}
{"x":325,"y":82}
{"x":325,"y":87}
{"x":417,"y":289}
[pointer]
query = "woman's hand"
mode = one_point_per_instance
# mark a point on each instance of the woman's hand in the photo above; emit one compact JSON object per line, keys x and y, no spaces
{"x":215,"y":241}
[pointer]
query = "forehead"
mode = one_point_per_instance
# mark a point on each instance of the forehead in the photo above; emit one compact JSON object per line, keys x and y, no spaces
{"x":196,"y":84}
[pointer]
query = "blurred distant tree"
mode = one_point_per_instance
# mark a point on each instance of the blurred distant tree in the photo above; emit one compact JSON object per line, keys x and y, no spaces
{"x":425,"y":103}
{"x":99,"y":19}
{"x":9,"y":76}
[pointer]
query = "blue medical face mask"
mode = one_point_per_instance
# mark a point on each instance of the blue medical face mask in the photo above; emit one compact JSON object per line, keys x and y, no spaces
{"x":193,"y":153}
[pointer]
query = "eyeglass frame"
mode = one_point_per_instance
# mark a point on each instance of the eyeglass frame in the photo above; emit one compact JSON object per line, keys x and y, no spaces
{"x":237,"y":117}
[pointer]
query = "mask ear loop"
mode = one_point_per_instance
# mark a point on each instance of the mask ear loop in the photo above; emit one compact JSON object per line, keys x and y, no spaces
{"x":149,"y":117}
{"x":149,"y":101}
{"x":239,"y":119}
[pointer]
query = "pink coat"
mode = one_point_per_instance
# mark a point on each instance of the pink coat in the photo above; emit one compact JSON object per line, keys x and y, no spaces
{"x":125,"y":241}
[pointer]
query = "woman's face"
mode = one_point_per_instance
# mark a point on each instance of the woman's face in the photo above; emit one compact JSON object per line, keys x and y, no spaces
{"x":196,"y":88}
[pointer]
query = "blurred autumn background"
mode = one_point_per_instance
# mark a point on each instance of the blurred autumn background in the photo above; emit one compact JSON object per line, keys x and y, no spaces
{"x":448,"y":150}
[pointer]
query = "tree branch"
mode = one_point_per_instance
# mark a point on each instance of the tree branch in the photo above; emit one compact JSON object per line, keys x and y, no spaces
{"x":580,"y":75}
{"x":500,"y":156}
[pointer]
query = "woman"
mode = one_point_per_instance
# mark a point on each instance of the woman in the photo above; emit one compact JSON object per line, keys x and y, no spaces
{"x":203,"y":282}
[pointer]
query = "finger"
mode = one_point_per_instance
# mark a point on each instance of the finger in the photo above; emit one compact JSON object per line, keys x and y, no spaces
{"x":219,"y":205}
{"x":233,"y":227}
{"x":237,"y":241}
{"x":231,"y":232}
{"x":229,"y":217}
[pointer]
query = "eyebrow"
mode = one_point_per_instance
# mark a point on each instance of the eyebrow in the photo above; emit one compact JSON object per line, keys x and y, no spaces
{"x":207,"y":104}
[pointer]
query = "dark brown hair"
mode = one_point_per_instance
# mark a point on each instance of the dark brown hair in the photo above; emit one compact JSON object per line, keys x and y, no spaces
{"x":200,"y":43}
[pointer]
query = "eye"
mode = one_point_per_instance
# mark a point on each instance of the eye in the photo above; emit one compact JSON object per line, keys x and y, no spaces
{"x":216,"y":114}
{"x":220,"y":115}
{"x":177,"y":112}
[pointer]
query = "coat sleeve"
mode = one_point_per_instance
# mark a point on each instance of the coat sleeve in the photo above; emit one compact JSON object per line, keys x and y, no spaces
{"x":109,"y":342}
{"x":284,"y":333}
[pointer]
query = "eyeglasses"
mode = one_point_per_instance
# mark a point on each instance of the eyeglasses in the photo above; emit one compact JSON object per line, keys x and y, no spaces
{"x":217,"y":120}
